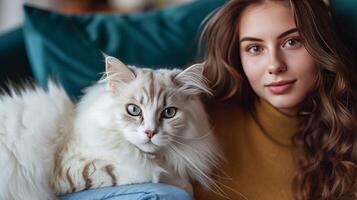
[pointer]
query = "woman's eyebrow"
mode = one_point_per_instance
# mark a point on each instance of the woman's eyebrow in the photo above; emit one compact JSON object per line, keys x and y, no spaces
{"x":288,"y":32}
{"x":250,"y":39}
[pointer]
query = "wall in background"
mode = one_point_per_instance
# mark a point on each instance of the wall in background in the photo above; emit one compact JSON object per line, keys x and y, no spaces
{"x":11,"y":12}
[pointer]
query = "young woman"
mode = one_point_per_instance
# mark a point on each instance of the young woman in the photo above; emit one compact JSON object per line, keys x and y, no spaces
{"x":286,"y":116}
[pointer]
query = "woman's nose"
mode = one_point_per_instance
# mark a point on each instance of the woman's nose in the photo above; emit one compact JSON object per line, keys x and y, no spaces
{"x":276,"y":63}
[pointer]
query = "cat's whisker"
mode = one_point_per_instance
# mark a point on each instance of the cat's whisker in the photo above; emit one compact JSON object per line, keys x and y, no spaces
{"x":224,"y":177}
{"x":205,"y":179}
{"x":189,"y":138}
{"x":178,"y":126}
{"x":177,"y":150}
{"x":219,"y":190}
{"x":211,"y":161}
{"x":216,"y":165}
{"x":233,"y":190}
{"x":186,"y":145}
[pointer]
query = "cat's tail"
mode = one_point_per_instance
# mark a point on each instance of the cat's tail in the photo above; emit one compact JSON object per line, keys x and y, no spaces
{"x":31,"y":119}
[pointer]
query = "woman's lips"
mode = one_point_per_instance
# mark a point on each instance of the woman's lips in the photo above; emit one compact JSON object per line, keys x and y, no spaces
{"x":280,"y":87}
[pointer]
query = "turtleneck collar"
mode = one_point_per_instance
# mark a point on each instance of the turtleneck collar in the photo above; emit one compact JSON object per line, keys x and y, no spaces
{"x":276,"y":125}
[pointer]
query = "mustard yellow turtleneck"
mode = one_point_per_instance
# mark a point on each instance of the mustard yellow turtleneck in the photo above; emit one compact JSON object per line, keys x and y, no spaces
{"x":259,"y":152}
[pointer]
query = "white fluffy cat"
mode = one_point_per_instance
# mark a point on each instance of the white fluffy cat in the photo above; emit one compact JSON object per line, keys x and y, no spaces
{"x":134,"y":126}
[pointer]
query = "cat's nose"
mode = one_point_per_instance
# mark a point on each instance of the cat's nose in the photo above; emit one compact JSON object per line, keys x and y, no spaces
{"x":150,"y":133}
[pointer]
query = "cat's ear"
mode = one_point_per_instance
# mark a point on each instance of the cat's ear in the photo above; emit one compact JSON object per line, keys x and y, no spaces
{"x":193,"y":81}
{"x":117,"y":72}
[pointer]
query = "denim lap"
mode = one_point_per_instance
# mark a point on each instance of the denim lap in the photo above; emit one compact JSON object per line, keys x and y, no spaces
{"x":147,"y":191}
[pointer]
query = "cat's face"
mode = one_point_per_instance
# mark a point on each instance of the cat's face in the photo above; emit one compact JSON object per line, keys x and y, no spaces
{"x":153,"y":107}
{"x":151,"y":112}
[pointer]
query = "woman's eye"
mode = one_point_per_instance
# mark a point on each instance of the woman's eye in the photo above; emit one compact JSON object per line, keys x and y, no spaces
{"x":292,"y":43}
{"x":133,"y":110}
{"x":169,"y":112}
{"x":254,"y":50}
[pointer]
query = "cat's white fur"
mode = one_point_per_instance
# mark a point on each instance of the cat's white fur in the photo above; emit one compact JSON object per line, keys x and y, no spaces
{"x":31,"y":122}
{"x":44,"y":151}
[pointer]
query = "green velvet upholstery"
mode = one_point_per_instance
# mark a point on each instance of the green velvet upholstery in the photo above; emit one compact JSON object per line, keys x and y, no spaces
{"x":70,"y":47}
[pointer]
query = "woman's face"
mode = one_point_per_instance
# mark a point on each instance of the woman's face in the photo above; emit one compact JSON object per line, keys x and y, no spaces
{"x":274,"y":59}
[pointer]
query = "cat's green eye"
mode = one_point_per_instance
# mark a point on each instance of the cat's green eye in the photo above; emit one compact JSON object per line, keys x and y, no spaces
{"x":133,"y":110}
{"x":169,"y":112}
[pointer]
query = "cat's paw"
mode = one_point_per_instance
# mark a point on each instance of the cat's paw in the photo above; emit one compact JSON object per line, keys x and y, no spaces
{"x":86,"y":174}
{"x":99,"y":173}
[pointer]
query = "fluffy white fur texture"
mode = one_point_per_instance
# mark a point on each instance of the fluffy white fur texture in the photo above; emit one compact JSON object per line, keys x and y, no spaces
{"x":31,"y":125}
{"x":48,"y":147}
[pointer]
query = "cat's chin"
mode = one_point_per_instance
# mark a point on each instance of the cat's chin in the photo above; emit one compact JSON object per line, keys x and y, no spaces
{"x":148,"y":148}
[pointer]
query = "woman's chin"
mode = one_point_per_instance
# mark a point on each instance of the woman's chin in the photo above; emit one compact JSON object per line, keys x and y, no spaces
{"x":285,"y":104}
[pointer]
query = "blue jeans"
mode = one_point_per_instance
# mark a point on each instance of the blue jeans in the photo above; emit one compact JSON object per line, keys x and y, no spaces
{"x":147,"y":191}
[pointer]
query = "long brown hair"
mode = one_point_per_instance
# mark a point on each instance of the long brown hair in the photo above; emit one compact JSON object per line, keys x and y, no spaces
{"x":327,"y":138}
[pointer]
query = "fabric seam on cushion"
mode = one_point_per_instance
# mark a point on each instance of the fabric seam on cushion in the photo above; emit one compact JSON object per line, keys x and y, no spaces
{"x":120,"y":194}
